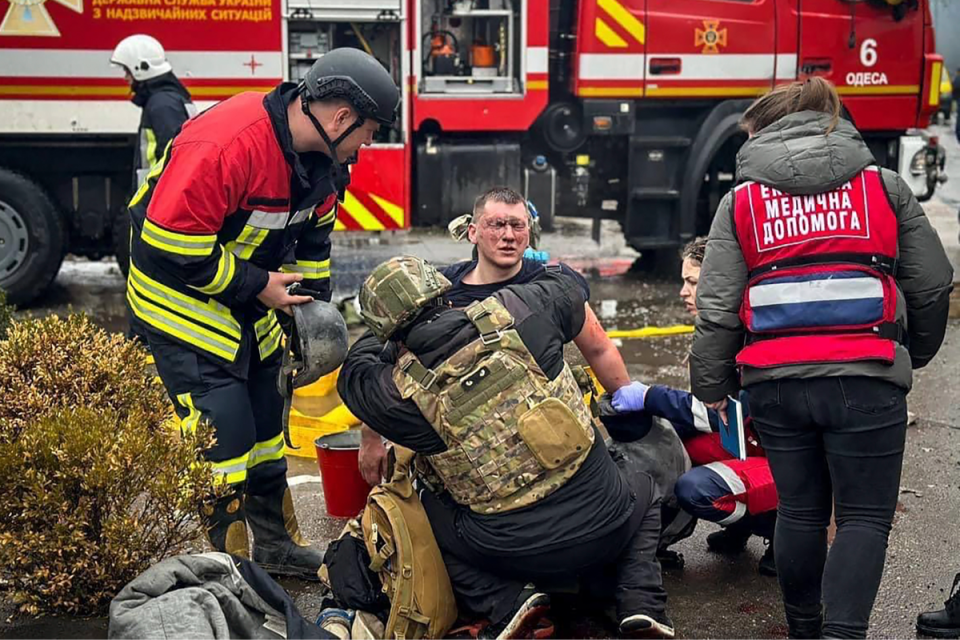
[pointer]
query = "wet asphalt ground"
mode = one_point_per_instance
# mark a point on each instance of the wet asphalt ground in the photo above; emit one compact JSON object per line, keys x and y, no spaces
{"x":712,"y":596}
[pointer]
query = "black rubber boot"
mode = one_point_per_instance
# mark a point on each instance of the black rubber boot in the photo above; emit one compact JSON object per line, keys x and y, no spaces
{"x":528,"y":609}
{"x":278,"y":546}
{"x":226,"y":525}
{"x":732,"y":539}
{"x":805,"y":627}
{"x":670,"y":559}
{"x":944,"y":623}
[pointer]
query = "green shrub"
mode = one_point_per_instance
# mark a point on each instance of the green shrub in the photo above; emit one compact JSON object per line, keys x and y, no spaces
{"x":97,"y":485}
{"x":6,"y":314}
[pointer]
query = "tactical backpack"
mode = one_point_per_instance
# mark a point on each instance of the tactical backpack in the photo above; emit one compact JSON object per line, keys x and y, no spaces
{"x":405,"y":554}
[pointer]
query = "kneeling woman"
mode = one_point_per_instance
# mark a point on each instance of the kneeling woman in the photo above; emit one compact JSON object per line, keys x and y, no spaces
{"x":737,"y":494}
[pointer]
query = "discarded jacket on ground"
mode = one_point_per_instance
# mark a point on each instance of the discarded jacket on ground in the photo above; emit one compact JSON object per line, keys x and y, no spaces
{"x":207,"y":595}
{"x":651,"y":445}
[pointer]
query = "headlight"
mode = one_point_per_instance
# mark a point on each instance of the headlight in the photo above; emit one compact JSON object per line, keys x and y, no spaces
{"x":918,"y":165}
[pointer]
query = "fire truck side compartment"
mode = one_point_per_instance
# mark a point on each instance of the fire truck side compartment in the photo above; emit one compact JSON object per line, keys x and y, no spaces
{"x":88,"y":178}
{"x":452,"y":172}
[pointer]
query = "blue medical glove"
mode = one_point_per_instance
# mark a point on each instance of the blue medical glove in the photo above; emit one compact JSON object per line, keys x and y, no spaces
{"x":630,"y":398}
{"x":539,"y":256}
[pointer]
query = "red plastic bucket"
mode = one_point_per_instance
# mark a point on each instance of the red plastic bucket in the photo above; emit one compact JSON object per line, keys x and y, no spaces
{"x":344,"y":489}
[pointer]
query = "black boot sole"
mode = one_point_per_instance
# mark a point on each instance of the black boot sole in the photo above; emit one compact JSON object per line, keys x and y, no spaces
{"x":937,"y":632}
{"x":285,"y":571}
{"x":670,"y":559}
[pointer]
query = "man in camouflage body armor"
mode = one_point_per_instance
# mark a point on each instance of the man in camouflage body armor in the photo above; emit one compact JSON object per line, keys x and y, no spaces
{"x":520,"y":487}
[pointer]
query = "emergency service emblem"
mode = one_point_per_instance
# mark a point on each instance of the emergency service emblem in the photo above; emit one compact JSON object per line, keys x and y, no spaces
{"x":711,"y":37}
{"x":31,"y":18}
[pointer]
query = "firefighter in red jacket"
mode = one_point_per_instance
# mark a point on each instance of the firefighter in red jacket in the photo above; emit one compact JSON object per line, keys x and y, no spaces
{"x":240,"y":206}
{"x":824,"y":285}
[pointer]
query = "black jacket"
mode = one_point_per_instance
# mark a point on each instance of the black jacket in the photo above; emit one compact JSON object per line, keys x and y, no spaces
{"x":165,"y":105}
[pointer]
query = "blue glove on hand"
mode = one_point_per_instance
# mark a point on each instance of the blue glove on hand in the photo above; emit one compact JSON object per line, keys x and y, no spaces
{"x":630,"y":398}
{"x":539,"y":256}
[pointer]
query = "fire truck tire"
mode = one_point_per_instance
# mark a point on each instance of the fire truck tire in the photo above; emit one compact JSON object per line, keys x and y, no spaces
{"x":121,"y":240}
{"x":720,"y":127}
{"x":658,"y":262}
{"x":33,"y":239}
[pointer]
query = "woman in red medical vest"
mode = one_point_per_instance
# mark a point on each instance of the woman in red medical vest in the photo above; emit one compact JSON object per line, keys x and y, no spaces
{"x":823,"y":286}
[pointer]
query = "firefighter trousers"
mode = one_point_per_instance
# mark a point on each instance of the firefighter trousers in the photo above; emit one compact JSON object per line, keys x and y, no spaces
{"x":246,"y":414}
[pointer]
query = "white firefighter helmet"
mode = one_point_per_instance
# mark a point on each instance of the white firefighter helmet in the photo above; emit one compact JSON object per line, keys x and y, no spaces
{"x":143,"y":56}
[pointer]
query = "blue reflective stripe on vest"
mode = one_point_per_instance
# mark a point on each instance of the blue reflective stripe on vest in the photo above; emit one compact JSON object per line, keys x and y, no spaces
{"x":816,"y":300}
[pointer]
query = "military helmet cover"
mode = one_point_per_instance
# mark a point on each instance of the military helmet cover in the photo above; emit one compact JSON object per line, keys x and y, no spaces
{"x":395,"y":292}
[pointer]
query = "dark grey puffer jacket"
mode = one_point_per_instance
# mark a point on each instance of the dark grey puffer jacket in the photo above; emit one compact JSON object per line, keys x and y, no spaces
{"x":797,"y":156}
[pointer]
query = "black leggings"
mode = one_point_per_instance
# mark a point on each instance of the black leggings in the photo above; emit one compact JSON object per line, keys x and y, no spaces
{"x":832,"y":441}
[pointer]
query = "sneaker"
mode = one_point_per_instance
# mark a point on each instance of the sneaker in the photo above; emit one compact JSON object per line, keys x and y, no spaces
{"x":729,"y":540}
{"x":529,"y":608}
{"x":767,"y":565}
{"x":336,"y":621}
{"x":644,"y":626}
{"x":944,"y":623}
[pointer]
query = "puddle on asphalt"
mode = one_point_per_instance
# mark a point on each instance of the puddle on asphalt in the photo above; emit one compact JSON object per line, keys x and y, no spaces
{"x":623,"y":302}
{"x":632,"y":302}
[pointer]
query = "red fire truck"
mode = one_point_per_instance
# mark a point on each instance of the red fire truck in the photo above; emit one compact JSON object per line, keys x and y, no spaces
{"x":606,"y":109}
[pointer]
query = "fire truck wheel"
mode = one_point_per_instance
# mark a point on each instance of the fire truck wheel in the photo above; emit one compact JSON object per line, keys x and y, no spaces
{"x":660,"y":262}
{"x":121,"y":240}
{"x":32,"y":239}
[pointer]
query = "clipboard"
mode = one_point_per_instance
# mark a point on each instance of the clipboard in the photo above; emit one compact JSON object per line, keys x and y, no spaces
{"x":732,"y":435}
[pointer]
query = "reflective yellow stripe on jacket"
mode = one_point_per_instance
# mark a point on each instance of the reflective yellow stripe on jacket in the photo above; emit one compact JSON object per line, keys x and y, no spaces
{"x":247,"y":242}
{"x":154,"y":172}
{"x":207,"y":325}
{"x":311,"y":269}
{"x":184,"y":244}
{"x":328,"y":218}
{"x":148,"y":148}
{"x":268,"y":334}
{"x":226,"y":269}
